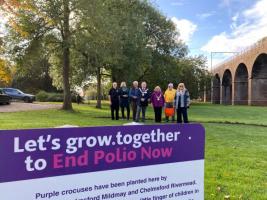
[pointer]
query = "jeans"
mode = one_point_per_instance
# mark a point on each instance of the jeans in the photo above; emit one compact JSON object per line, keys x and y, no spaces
{"x":139,"y":109}
{"x":134,"y":109}
{"x":128,"y":112}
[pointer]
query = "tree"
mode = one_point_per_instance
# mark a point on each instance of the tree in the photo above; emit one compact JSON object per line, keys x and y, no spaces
{"x":151,"y":44}
{"x":98,"y":41}
{"x":194,"y":74}
{"x":128,"y":40}
{"x":123,"y":40}
{"x":5,"y":73}
{"x":35,"y":19}
{"x":33,"y":68}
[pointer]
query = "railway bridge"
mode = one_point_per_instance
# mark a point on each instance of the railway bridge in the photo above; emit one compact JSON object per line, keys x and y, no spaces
{"x":242,"y":79}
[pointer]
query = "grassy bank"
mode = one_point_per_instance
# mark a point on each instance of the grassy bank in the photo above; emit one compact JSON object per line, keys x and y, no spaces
{"x":236,"y":142}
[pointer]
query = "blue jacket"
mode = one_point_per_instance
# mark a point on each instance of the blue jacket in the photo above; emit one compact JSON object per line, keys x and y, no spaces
{"x":134,"y":93}
{"x":124,"y":97}
{"x":185,"y":98}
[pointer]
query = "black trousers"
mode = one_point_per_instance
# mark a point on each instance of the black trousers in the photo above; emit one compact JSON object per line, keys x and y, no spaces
{"x":182,"y":112}
{"x":158,"y":113}
{"x":128,"y":111}
{"x":114,"y":110}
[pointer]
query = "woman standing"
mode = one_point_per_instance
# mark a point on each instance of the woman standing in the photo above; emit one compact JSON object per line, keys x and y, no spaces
{"x":169,"y":96}
{"x":124,"y":100}
{"x":182,"y":102}
{"x":157,"y":100}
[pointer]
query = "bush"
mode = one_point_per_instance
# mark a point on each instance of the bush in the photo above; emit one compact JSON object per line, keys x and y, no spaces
{"x":43,"y":96}
{"x":55,"y":97}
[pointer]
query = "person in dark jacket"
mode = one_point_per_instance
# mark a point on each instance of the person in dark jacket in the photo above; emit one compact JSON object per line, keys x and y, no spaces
{"x":124,"y":100}
{"x":143,"y":98}
{"x":157,"y":100}
{"x":79,"y":99}
{"x":133,"y":98}
{"x":182,"y":103}
{"x":114,"y":100}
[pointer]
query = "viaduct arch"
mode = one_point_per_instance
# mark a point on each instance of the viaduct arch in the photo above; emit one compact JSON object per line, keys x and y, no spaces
{"x":242,"y":80}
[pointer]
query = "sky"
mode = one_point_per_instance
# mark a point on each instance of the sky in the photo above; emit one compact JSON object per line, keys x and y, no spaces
{"x":214,"y":25}
{"x":217,"y":25}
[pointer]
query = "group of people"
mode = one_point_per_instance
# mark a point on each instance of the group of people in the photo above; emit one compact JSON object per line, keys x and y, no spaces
{"x":171,"y":101}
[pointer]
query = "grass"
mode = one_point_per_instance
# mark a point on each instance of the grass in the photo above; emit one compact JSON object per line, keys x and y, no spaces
{"x":236,"y":142}
{"x":251,"y":115}
{"x":236,"y":162}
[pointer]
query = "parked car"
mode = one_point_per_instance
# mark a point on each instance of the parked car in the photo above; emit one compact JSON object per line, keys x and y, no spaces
{"x":4,"y":98}
{"x":19,"y":95}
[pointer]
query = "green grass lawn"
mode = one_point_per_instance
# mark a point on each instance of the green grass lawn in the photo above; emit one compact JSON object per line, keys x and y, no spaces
{"x":236,"y":142}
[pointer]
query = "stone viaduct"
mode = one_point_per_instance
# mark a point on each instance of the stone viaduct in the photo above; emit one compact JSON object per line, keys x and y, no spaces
{"x":242,"y":79}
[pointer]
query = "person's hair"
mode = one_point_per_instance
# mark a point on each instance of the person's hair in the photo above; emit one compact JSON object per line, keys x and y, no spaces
{"x":180,"y":85}
{"x":170,"y":84}
{"x":143,"y":83}
{"x":114,"y":83}
{"x":135,"y":83}
{"x":157,"y":87}
{"x":123,"y":84}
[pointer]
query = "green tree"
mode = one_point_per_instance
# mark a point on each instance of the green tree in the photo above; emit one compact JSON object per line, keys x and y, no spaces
{"x":194,"y":74}
{"x":36,"y":19}
{"x":151,"y":45}
{"x":32,"y":69}
{"x":129,"y":40}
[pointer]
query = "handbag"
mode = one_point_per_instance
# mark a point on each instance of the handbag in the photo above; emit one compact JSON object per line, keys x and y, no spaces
{"x":169,"y":112}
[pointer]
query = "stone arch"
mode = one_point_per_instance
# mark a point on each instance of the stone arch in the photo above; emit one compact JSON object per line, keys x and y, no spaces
{"x":216,"y":89}
{"x":259,"y":81}
{"x":227,"y":87}
{"x":241,"y":85}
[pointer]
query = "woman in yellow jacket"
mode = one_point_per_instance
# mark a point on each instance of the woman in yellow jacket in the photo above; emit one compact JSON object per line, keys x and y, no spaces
{"x":169,"y":96}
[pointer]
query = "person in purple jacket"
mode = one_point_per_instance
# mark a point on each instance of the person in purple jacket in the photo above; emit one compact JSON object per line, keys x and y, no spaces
{"x":157,"y":100}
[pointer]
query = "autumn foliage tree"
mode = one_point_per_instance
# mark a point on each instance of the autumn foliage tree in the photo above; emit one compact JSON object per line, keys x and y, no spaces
{"x":5,"y":73}
{"x":35,"y":20}
{"x":79,"y":40}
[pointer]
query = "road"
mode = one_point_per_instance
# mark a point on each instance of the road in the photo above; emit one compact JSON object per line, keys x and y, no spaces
{"x":20,"y":106}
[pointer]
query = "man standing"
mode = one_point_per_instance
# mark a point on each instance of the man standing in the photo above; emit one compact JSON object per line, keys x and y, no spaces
{"x":114,"y":101}
{"x":133,"y":98}
{"x":169,"y":96}
{"x":143,"y":98}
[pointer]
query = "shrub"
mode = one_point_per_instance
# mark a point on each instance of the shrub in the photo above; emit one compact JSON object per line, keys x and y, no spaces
{"x":42,"y":96}
{"x":52,"y":97}
{"x":55,"y":97}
